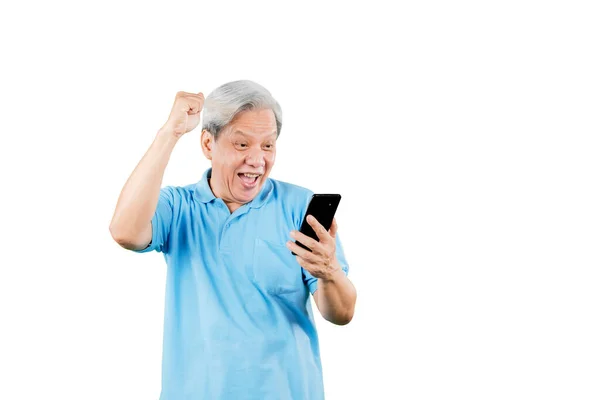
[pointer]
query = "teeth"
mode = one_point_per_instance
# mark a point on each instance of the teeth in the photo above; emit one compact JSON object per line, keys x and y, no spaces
{"x":251,"y":175}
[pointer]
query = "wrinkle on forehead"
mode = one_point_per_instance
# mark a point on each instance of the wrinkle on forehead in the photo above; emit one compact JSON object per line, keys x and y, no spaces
{"x":254,"y":123}
{"x":246,"y":134}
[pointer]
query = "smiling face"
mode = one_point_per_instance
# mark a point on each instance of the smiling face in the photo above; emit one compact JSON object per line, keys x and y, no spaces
{"x":242,"y":157}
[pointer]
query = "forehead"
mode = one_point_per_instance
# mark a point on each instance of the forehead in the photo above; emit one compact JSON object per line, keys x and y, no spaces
{"x":259,"y":123}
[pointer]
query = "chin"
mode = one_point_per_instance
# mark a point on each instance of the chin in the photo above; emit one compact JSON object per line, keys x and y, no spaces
{"x":248,"y":197}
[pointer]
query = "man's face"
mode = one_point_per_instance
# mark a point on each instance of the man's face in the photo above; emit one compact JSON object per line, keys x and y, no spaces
{"x":242,"y":157}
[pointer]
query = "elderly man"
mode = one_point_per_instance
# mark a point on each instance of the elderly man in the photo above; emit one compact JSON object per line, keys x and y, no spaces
{"x":238,"y":320}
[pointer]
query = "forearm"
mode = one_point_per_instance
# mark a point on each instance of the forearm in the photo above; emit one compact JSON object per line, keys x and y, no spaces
{"x":139,"y":197}
{"x":336,"y":298}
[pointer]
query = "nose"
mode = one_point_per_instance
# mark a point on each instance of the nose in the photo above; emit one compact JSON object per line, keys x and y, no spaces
{"x":256,"y":159}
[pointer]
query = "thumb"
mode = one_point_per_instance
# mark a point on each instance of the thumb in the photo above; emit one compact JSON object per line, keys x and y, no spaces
{"x":333,"y":229}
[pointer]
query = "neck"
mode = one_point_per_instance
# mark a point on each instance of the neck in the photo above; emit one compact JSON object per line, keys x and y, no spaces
{"x":231,"y":205}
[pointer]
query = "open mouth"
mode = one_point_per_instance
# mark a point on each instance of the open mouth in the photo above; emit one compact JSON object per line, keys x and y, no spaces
{"x":249,"y":180}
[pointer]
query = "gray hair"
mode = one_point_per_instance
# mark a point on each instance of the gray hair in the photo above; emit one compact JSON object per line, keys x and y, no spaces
{"x":228,"y":100}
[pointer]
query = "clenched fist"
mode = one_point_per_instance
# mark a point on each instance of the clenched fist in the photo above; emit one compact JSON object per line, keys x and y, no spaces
{"x":185,"y":114}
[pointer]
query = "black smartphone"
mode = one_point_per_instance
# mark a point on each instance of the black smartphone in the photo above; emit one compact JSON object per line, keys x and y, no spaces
{"x":322,"y":207}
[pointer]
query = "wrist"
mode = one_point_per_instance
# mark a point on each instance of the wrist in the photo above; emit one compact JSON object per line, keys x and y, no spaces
{"x":167,"y":135}
{"x":335,"y":275}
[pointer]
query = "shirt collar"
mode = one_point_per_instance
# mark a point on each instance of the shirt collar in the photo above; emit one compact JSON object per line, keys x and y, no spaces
{"x":203,"y":191}
{"x":205,"y":195}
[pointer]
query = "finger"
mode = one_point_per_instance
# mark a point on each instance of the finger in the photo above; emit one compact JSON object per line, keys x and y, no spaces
{"x":196,"y":96}
{"x":192,"y":102}
{"x":305,"y":254}
{"x":305,"y":240}
{"x":308,"y":266}
{"x":189,"y":105}
{"x":195,"y":104}
{"x":319,"y":229}
{"x":183,"y":94}
{"x":333,"y":229}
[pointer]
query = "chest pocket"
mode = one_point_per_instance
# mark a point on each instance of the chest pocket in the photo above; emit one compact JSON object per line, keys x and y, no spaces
{"x":275,"y":269}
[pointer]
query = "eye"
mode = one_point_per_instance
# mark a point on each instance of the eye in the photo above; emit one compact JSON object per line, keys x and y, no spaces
{"x":269,"y":146}
{"x":241,"y":145}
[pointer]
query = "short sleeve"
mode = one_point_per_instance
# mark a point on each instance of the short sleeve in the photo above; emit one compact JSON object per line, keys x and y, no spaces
{"x":311,"y":281}
{"x":161,"y":221}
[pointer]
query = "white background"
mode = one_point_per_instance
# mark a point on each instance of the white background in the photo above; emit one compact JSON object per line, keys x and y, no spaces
{"x":463,"y":137}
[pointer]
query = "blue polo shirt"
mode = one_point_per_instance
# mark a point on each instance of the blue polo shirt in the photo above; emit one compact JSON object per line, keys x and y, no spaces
{"x":238,"y":319}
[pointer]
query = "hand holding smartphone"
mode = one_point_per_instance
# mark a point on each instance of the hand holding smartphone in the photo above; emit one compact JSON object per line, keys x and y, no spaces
{"x":322,"y":207}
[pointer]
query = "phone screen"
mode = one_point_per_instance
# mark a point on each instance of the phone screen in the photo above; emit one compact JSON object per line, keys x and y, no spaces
{"x":323,"y":208}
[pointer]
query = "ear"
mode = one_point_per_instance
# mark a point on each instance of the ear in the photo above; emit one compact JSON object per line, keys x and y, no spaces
{"x":207,"y":142}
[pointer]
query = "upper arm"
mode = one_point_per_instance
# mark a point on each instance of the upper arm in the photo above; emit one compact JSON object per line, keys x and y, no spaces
{"x":140,"y":243}
{"x":157,"y":232}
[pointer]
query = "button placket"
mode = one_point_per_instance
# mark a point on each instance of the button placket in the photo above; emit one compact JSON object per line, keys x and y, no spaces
{"x":223,"y":241}
{"x":231,"y":219}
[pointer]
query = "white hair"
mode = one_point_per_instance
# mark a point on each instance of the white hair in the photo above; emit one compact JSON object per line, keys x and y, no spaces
{"x":226,"y":101}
